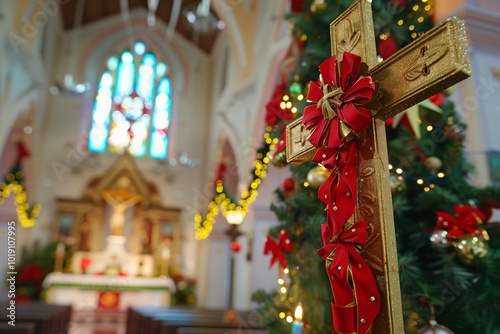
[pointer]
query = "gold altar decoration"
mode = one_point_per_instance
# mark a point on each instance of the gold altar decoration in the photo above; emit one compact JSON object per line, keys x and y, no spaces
{"x":84,"y":223}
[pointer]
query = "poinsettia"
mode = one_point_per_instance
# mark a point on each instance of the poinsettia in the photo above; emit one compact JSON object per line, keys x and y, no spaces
{"x":274,"y":113}
{"x":338,"y":115}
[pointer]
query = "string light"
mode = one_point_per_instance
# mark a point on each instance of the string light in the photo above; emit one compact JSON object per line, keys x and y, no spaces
{"x":289,"y":319}
{"x":400,"y":22}
{"x":300,"y":97}
{"x":282,"y":315}
{"x":283,"y":289}
{"x":281,"y":281}
{"x":420,"y":181}
{"x":440,"y":175}
{"x":221,"y":203}
{"x":286,"y":271}
{"x":429,"y":128}
{"x":399,"y":171}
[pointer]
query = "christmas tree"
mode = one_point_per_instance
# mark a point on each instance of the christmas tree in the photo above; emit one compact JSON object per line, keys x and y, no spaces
{"x":448,"y":267}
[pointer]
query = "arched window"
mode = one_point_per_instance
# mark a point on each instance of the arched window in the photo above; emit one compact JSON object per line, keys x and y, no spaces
{"x":133,"y":105}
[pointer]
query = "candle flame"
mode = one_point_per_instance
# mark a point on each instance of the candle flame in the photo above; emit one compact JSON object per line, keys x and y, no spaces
{"x":298,"y":312}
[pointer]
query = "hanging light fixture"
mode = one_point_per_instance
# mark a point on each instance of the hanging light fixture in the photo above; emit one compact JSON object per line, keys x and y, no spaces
{"x":200,"y":19}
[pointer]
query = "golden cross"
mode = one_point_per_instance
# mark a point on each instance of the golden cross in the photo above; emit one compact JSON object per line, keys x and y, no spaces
{"x":435,"y":61}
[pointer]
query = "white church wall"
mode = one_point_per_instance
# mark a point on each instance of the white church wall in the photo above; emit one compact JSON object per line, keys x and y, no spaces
{"x":67,"y":166}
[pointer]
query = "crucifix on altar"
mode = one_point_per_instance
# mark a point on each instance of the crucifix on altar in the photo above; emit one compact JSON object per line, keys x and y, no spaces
{"x":329,"y":133}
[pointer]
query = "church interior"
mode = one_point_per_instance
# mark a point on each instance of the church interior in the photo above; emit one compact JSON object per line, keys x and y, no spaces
{"x":148,"y":181}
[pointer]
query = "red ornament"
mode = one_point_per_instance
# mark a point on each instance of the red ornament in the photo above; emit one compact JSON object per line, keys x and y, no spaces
{"x":437,"y":99}
{"x":387,"y":47}
{"x":297,"y":6}
{"x":235,"y":246}
{"x":288,"y":184}
{"x":339,"y":94}
{"x":399,"y":3}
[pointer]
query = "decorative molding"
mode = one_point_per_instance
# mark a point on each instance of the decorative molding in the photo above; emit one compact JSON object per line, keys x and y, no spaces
{"x":483,"y":27}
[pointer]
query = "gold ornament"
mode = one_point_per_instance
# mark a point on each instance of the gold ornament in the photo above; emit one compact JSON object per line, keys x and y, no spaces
{"x":397,"y":184}
{"x":318,"y":6}
{"x":470,"y":249}
{"x":279,"y":159}
{"x":433,"y":163}
{"x":317,"y":176}
{"x":413,"y":321}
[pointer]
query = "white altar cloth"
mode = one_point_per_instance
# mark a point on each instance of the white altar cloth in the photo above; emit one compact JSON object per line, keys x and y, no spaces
{"x":82,"y":291}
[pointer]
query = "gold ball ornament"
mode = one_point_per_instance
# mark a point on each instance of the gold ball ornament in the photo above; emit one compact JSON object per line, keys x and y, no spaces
{"x":318,"y":6}
{"x":470,"y":249}
{"x":413,"y":322}
{"x":397,"y":184}
{"x":317,"y":176}
{"x":433,"y":163}
{"x":279,"y":159}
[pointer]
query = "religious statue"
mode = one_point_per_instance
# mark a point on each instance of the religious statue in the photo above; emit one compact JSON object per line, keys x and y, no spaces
{"x":84,"y":232}
{"x":120,"y":200}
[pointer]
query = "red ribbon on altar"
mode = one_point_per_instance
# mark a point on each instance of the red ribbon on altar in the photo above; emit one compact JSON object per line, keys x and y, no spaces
{"x":278,"y":249}
{"x":465,"y":221}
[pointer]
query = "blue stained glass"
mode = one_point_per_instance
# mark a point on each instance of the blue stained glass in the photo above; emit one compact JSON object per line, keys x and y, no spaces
{"x":161,"y":120}
{"x":113,"y":63}
{"x":146,"y":78}
{"x":139,"y":48}
{"x":98,"y":134}
{"x":159,"y":145}
{"x":164,"y":86}
{"x":161,"y":69}
{"x":125,"y":76}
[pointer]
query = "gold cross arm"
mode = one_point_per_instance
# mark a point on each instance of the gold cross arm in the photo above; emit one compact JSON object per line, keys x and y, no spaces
{"x":437,"y":60}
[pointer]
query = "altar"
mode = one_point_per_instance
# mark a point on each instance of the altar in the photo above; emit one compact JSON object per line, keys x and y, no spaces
{"x":85,"y":292}
{"x":116,"y":245}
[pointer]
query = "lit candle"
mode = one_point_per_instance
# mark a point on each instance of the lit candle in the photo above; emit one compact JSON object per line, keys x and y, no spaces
{"x":60,"y":249}
{"x":298,"y":324}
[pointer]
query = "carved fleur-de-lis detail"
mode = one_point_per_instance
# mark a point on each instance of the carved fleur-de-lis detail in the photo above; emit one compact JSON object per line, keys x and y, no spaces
{"x":421,"y":64}
{"x":302,"y":138}
{"x":350,"y":38}
{"x":370,"y":257}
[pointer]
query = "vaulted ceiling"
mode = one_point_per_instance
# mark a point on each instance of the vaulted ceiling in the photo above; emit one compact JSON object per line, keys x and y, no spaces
{"x":95,"y":10}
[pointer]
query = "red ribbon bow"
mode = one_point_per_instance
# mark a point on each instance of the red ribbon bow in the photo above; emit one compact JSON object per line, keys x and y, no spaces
{"x":353,"y":309}
{"x":338,"y":97}
{"x":465,"y":221}
{"x":278,"y":249}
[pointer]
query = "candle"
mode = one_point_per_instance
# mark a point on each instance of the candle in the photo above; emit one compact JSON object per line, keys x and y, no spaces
{"x":60,"y":249}
{"x":297,"y":323}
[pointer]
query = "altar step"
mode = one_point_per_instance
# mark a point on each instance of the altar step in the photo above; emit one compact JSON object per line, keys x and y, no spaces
{"x":98,"y":322}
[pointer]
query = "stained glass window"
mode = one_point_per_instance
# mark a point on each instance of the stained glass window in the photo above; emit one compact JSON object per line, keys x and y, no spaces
{"x":132,"y":108}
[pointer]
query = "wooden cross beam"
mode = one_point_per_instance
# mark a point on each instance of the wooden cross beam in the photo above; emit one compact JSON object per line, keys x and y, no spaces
{"x":435,"y":61}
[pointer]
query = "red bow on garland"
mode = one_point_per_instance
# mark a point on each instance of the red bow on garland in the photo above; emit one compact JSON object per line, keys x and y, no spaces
{"x":353,"y":309}
{"x":465,"y":221}
{"x":337,"y":116}
{"x":278,"y":249}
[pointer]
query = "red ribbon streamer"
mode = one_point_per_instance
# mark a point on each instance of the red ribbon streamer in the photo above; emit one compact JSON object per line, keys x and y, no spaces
{"x":353,"y":309}
{"x":278,"y":249}
{"x":335,"y":116}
